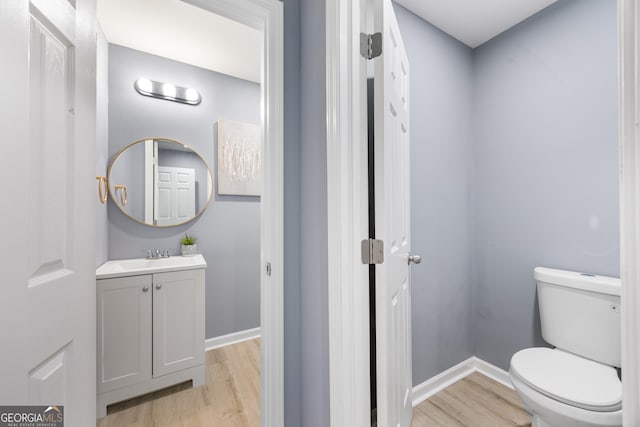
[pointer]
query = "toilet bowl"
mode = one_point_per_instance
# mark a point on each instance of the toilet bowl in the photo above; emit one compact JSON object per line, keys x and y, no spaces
{"x":575,"y":384}
{"x":561,"y":389}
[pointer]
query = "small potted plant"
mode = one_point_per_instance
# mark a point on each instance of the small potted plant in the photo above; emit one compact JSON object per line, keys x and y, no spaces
{"x":188,"y":245}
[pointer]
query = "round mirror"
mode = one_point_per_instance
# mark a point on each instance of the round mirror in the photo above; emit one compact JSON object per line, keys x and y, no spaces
{"x":160,"y":182}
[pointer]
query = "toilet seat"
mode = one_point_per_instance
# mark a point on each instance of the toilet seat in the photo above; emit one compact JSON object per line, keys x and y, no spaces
{"x":569,"y":379}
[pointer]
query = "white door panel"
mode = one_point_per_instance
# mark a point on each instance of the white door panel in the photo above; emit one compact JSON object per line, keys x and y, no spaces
{"x":50,"y":145}
{"x":46,"y":382}
{"x":393,"y":287}
{"x":176,"y":195}
{"x":47,"y":115}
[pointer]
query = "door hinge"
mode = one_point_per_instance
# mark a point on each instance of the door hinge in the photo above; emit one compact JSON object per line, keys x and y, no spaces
{"x":370,"y":45}
{"x":372,"y":251}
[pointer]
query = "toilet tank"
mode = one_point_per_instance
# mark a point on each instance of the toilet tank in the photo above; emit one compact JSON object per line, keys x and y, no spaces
{"x":580,"y":313}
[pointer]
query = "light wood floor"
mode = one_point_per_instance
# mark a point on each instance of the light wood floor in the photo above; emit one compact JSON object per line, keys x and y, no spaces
{"x":230,"y":397}
{"x":474,"y":401}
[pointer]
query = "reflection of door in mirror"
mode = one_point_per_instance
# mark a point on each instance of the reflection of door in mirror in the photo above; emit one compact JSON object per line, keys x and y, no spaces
{"x":176,"y":195}
{"x":172,"y":174}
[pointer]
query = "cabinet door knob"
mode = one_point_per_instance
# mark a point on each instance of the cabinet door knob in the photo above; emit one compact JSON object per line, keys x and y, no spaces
{"x":145,"y":289}
{"x":158,"y":286}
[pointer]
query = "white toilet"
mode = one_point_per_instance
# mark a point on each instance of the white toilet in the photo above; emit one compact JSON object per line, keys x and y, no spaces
{"x":576,"y":383}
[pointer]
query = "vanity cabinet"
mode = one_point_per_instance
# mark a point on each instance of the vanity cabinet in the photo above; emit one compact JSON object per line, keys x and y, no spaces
{"x":124,"y":331}
{"x":150,"y":328}
{"x":178,"y":321}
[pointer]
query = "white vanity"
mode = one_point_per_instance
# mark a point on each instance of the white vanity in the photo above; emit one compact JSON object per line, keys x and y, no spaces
{"x":150,"y":326}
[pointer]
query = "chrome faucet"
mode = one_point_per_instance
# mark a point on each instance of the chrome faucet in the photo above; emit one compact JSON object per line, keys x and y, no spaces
{"x":157,"y":253}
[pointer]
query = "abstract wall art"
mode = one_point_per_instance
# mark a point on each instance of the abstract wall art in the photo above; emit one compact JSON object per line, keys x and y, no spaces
{"x":239,"y":158}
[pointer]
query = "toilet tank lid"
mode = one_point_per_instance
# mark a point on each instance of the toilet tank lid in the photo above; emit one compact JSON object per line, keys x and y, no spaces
{"x":572,"y":279}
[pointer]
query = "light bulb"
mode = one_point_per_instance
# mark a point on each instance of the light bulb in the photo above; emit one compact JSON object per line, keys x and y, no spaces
{"x":144,"y":85}
{"x":191,"y":95}
{"x":169,"y":90}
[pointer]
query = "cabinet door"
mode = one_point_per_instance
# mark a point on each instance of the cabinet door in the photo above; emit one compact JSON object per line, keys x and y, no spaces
{"x":124,"y":331}
{"x":178,"y":321}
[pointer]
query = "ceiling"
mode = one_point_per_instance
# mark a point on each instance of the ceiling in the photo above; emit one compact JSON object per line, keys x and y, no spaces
{"x":184,"y":33}
{"x":474,"y":22}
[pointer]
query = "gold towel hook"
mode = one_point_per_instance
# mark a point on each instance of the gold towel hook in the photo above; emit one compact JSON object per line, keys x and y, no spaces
{"x":102,"y":189}
{"x":123,"y":193}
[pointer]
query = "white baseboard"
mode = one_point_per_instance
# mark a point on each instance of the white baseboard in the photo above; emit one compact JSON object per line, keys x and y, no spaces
{"x":435,"y":384}
{"x":234,"y":338}
{"x":492,"y":371}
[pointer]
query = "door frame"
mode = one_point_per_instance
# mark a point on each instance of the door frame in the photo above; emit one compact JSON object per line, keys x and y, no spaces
{"x":346,"y":163}
{"x":629,"y":144}
{"x":267,"y":16}
{"x":347,"y":216}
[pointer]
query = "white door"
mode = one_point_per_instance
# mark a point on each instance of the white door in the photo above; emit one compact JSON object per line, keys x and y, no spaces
{"x":393,"y":288}
{"x":47,"y":292}
{"x":176,"y":195}
{"x":178,"y":321}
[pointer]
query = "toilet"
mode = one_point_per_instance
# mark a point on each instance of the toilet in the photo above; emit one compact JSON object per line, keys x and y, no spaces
{"x":575,"y":383}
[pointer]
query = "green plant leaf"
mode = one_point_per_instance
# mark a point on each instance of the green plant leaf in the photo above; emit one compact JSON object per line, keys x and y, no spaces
{"x":188,"y":240}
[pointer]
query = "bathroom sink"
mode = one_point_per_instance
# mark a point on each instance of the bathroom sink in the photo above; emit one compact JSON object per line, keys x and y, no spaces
{"x":139,"y":266}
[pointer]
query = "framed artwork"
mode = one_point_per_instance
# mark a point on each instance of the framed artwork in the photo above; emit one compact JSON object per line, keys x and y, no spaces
{"x":239,"y":158}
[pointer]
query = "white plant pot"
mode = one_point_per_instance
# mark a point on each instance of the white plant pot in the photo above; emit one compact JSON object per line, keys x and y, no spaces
{"x":189,"y":250}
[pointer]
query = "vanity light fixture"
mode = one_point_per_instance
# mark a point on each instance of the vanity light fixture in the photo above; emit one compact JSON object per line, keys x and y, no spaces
{"x":167,"y":91}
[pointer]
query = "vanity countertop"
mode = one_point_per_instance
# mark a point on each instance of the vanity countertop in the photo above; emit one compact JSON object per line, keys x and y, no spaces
{"x":140,"y":266}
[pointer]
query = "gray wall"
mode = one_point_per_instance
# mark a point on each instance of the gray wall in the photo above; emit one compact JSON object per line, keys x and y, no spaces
{"x":228,"y":231}
{"x":441,"y":88}
{"x":292,"y":191}
{"x":102,"y":142}
{"x":128,"y":170}
{"x":546,"y":169}
{"x":313,"y":212}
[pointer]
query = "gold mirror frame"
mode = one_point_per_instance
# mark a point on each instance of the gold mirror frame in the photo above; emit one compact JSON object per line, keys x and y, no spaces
{"x":118,"y":196}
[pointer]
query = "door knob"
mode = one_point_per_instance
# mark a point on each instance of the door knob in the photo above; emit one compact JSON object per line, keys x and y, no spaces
{"x":145,"y":289}
{"x":158,"y":287}
{"x":416,"y":259}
